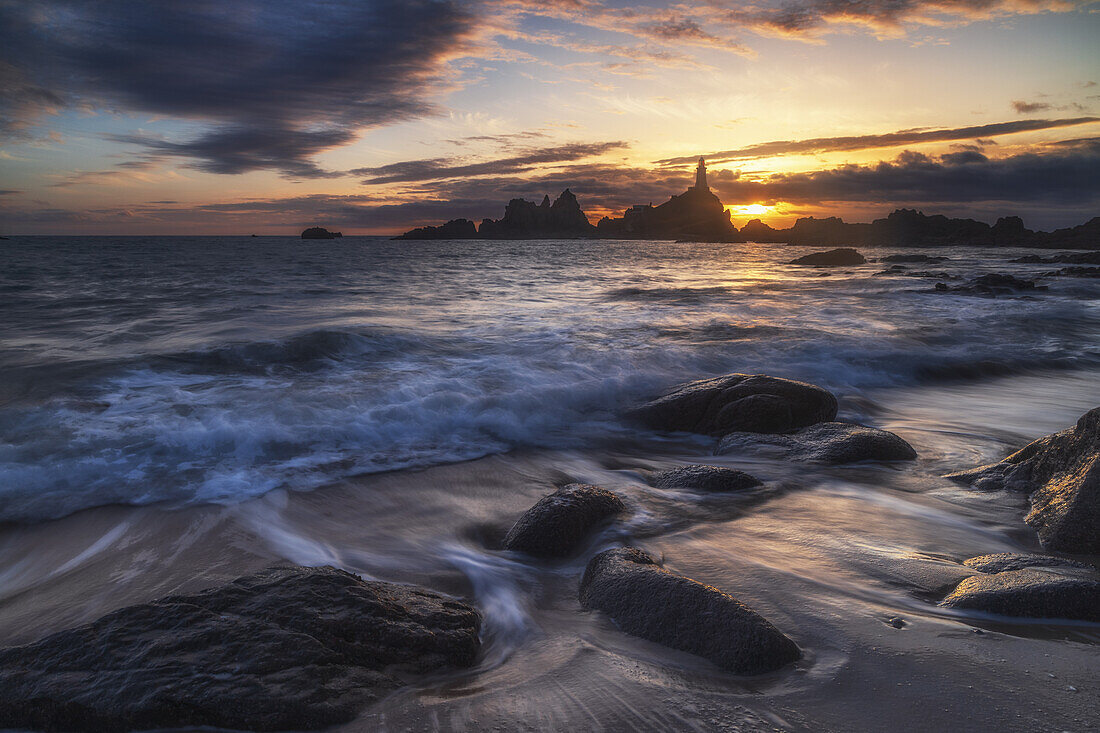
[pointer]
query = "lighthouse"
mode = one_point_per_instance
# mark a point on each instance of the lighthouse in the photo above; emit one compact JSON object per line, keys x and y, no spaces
{"x":701,"y":176}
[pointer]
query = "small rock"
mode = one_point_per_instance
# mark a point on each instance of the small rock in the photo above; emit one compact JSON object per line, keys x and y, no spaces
{"x":831,"y":258}
{"x":1031,"y":593}
{"x":754,"y":403}
{"x":559,"y":522}
{"x":830,"y":442}
{"x":897,"y":622}
{"x":648,"y":601}
{"x":705,"y":478}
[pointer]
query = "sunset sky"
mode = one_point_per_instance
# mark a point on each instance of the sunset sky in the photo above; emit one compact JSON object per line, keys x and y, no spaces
{"x":204,"y":117}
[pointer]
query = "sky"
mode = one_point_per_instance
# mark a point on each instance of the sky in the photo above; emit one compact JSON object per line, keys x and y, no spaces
{"x":375,"y":116}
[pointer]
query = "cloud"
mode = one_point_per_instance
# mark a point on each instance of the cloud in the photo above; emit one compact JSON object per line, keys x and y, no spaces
{"x":866,"y":142}
{"x":273,"y":82}
{"x":9,"y":191}
{"x":442,"y":168}
{"x":1028,"y":107}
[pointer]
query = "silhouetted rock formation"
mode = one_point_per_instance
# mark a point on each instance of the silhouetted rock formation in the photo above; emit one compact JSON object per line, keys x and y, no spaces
{"x":1082,"y":236}
{"x":523,"y":219}
{"x":454,"y":229}
{"x":696,"y":214}
{"x":831,"y":258}
{"x":758,"y":231}
{"x":320,"y":233}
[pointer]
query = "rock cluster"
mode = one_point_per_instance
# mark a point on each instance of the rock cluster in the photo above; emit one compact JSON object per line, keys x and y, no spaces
{"x":286,"y":648}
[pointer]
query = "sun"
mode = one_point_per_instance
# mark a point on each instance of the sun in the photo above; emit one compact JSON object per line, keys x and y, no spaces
{"x":750,"y":210}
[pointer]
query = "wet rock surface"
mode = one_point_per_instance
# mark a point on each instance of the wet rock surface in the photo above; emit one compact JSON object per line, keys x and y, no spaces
{"x":285,"y":648}
{"x":1030,"y":593}
{"x":705,"y":478}
{"x":738,"y":402}
{"x":647,"y":601}
{"x":995,"y":283}
{"x":831,"y":258}
{"x":914,"y":258}
{"x":1062,"y":474}
{"x":559,"y":523}
{"x":1001,"y":561}
{"x":831,"y":442}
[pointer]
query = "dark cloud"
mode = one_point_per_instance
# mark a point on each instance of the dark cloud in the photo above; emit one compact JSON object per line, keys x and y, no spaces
{"x":442,"y":168}
{"x":8,"y":191}
{"x":278,"y":80}
{"x":867,"y":142}
{"x":1025,"y":108}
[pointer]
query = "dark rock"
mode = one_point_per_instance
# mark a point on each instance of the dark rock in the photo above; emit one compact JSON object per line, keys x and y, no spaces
{"x":754,"y":403}
{"x":1065,"y":258}
{"x":705,"y":478}
{"x":999,"y":562}
{"x":286,"y":648}
{"x":1074,"y":272}
{"x":1009,"y":231}
{"x":1062,"y":473}
{"x":1082,"y":236}
{"x":1030,"y":593}
{"x":559,"y":522}
{"x":994,"y":283}
{"x":758,"y":231}
{"x":830,"y":442}
{"x":525,"y":220}
{"x":897,"y":622}
{"x":648,"y":601}
{"x":832,"y":258}
{"x":913,"y":258}
{"x":454,"y":229}
{"x":320,"y":233}
{"x":695,"y":215}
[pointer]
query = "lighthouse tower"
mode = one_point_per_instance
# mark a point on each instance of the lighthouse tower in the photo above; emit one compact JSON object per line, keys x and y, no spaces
{"x":701,"y":176}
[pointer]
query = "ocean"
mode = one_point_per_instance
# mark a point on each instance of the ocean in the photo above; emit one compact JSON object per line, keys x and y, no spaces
{"x":179,"y":410}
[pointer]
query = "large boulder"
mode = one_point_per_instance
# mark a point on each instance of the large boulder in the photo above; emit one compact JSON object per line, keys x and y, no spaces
{"x":750,"y":402}
{"x":285,"y":648}
{"x":705,"y":478}
{"x":648,"y":601}
{"x":829,"y":442}
{"x":1030,"y":593}
{"x":557,"y":525}
{"x":1062,"y":474}
{"x":831,"y":258}
{"x":999,"y":562}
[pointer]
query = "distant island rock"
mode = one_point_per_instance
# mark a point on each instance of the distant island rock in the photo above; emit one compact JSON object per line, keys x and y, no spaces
{"x":698,"y":215}
{"x":320,"y":233}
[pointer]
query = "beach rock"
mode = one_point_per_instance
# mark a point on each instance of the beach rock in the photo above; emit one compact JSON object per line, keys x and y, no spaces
{"x":999,"y":562}
{"x":285,"y":648}
{"x":705,"y":478}
{"x":1030,"y":593}
{"x":830,"y":442}
{"x":831,"y":258}
{"x":559,"y":522}
{"x":1062,"y":474}
{"x":754,"y":403}
{"x":320,"y":233}
{"x":648,"y":601}
{"x":913,"y":258}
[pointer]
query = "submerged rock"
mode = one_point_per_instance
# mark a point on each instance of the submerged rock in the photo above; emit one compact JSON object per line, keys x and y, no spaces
{"x":830,"y":442}
{"x":754,"y":403}
{"x":999,"y":562}
{"x":994,"y":283}
{"x":831,"y":258}
{"x":648,"y":601}
{"x":1030,"y":593}
{"x":705,"y":478}
{"x":1062,"y":474}
{"x":285,"y":648}
{"x":559,"y":522}
{"x":913,"y":258}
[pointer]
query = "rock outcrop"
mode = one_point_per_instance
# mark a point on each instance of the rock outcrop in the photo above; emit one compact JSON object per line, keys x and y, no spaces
{"x":829,"y":442}
{"x":695,"y":215}
{"x":1030,"y":593}
{"x":1062,"y":474}
{"x":320,"y":233}
{"x":712,"y":479}
{"x":523,"y":219}
{"x":738,"y":402}
{"x":454,"y":229}
{"x":647,"y":601}
{"x":286,"y":648}
{"x":999,"y":562}
{"x":831,"y":258}
{"x":559,"y":523}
